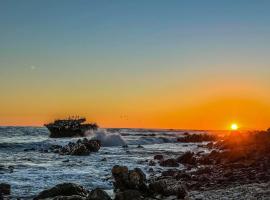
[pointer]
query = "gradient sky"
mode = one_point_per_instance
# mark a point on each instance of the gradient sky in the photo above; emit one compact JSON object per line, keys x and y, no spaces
{"x":156,"y":64}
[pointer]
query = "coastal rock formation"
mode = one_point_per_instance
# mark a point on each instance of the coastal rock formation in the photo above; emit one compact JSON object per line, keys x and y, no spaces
{"x":129,"y":195}
{"x":234,"y":161}
{"x":129,"y":179}
{"x":197,"y":138}
{"x":63,"y":189}
{"x":71,"y":191}
{"x":168,"y":187}
{"x":80,"y":148}
{"x":131,"y":185}
{"x":187,"y":158}
{"x":71,"y":127}
{"x":98,"y":194}
{"x":158,"y":157}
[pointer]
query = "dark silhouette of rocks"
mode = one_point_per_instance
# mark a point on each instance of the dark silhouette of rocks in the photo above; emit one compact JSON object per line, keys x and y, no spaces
{"x":98,"y":194}
{"x":71,"y":127}
{"x":64,"y":189}
{"x":80,"y":148}
{"x":197,"y":138}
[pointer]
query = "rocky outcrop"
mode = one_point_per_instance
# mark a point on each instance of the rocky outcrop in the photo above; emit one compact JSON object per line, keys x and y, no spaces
{"x":63,"y":189}
{"x":80,"y":148}
{"x":129,"y":195}
{"x":197,"y":138}
{"x":98,"y":194}
{"x":158,"y":157}
{"x":168,"y":187}
{"x":71,"y":191}
{"x":187,"y":158}
{"x":71,"y":127}
{"x":129,"y":179}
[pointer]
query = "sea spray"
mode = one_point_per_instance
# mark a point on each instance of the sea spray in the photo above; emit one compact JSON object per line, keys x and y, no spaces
{"x":107,"y":139}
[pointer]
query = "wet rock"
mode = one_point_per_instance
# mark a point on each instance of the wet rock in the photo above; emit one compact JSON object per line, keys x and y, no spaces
{"x":169,"y":163}
{"x":129,"y":179}
{"x":63,"y":189}
{"x":5,"y":189}
{"x":197,"y":138}
{"x":210,"y":145}
{"x":73,"y":197}
{"x":31,"y":149}
{"x":158,"y":157}
{"x":168,"y":187}
{"x":129,"y":195}
{"x":80,"y":148}
{"x":140,"y":146}
{"x":187,"y":158}
{"x":98,"y":194}
{"x":152,"y":163}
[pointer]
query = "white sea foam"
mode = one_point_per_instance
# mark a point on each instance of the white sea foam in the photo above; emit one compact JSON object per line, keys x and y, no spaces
{"x":107,"y":139}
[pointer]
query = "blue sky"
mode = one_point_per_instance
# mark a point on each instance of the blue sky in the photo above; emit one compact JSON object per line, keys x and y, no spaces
{"x":135,"y":49}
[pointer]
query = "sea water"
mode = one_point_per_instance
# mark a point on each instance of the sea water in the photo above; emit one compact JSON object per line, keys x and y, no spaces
{"x":29,"y":169}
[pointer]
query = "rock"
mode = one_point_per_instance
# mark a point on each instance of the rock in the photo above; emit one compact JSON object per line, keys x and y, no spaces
{"x":169,"y":163}
{"x":140,"y":146}
{"x":152,"y":163}
{"x":73,"y":197}
{"x":158,"y":157}
{"x":197,"y":138}
{"x":187,"y":158}
{"x":98,"y":194}
{"x":168,"y":187}
{"x":120,"y":175}
{"x":5,"y":189}
{"x":210,"y":145}
{"x":80,"y":148}
{"x":136,"y":179}
{"x":129,"y":179}
{"x":71,"y":127}
{"x":63,"y":189}
{"x":129,"y":195}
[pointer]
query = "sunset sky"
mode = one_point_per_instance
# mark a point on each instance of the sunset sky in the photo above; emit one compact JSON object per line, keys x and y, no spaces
{"x":154,"y":64}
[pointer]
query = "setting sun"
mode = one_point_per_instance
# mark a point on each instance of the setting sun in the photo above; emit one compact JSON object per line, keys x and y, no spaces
{"x":234,"y":127}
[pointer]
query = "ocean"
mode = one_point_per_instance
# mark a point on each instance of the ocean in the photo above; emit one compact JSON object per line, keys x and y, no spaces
{"x":26,"y":165}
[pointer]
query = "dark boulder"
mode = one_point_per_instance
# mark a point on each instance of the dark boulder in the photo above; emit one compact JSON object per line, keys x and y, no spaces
{"x":5,"y":189}
{"x":63,"y":189}
{"x":80,"y":148}
{"x":158,"y":157}
{"x":73,"y":197}
{"x":187,"y":158}
{"x":129,"y":195}
{"x":98,"y":194}
{"x":168,"y":187}
{"x":129,"y":179}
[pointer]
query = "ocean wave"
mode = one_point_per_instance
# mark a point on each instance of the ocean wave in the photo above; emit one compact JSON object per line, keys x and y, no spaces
{"x":107,"y":139}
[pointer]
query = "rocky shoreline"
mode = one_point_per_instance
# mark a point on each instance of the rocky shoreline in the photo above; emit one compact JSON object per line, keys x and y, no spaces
{"x":234,"y":168}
